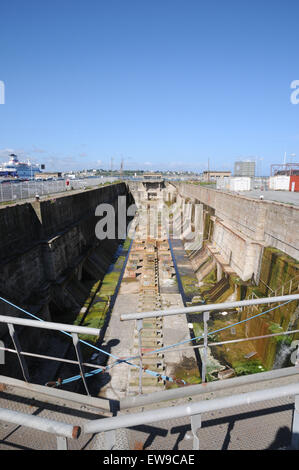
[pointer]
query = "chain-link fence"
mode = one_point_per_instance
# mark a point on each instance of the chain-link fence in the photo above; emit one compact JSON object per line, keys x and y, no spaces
{"x":10,"y":191}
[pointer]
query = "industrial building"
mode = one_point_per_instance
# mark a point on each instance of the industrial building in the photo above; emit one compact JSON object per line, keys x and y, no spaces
{"x":214,"y":175}
{"x":245,"y":168}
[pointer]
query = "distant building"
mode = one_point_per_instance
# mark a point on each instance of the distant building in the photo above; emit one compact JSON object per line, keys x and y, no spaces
{"x":245,"y":168}
{"x":153,"y":183}
{"x":288,"y":169}
{"x":152,"y":176}
{"x":48,"y":176}
{"x":214,"y":175}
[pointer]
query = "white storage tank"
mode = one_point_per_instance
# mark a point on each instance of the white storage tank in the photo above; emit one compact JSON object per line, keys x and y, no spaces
{"x":222,"y":183}
{"x":271,"y":182}
{"x":240,"y":184}
{"x":279,"y":183}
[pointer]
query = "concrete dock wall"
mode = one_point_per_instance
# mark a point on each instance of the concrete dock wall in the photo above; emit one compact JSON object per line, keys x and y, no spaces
{"x":244,"y":226}
{"x":41,"y":243}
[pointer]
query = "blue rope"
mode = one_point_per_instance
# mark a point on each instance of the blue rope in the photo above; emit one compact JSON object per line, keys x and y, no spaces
{"x":118,"y":360}
{"x":215,"y":331}
{"x":187,"y":341}
{"x":95,"y":371}
{"x":61,"y":331}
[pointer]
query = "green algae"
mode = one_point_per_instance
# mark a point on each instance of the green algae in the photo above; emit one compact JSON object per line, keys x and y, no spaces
{"x":126,"y":244}
{"x":98,"y":302}
{"x":186,"y":371}
{"x":109,"y":283}
{"x":248,"y":367}
{"x":277,"y":270}
{"x":190,"y":284}
{"x":208,"y":281}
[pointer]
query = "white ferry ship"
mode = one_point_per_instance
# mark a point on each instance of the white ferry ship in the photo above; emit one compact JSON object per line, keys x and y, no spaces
{"x":16,"y":169}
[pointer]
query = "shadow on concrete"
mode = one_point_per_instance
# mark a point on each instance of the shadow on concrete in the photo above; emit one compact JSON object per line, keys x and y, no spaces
{"x":282,"y":439}
{"x":152,"y":432}
{"x":100,"y":380}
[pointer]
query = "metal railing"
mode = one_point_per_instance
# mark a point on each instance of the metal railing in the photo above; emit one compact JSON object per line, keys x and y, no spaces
{"x":289,"y":287}
{"x":195,"y":410}
{"x":62,"y":431}
{"x":210,"y":387}
{"x":205,"y":310}
{"x":73,"y":331}
{"x":70,"y":330}
{"x":10,"y":191}
{"x":208,"y":307}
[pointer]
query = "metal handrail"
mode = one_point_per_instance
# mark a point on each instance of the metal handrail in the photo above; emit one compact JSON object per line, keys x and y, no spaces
{"x":268,"y":287}
{"x":52,"y":358}
{"x":84,"y":330}
{"x":205,"y":309}
{"x":221,"y":343}
{"x":70,"y":330}
{"x":208,"y":307}
{"x":282,"y":287}
{"x":290,"y":281}
{"x":62,"y":431}
{"x":209,"y":387}
{"x":195,"y":410}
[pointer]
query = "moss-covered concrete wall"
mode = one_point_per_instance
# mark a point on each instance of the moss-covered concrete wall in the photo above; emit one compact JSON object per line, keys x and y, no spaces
{"x":279,"y":276}
{"x":277,"y":272}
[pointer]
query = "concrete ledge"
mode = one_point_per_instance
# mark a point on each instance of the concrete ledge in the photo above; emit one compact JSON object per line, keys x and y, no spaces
{"x":54,"y":396}
{"x":208,"y":390}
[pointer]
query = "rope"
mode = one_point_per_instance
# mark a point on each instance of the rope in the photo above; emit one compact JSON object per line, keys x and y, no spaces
{"x":186,"y":341}
{"x":212,"y":332}
{"x":61,"y":331}
{"x":96,"y":371}
{"x":119,"y":360}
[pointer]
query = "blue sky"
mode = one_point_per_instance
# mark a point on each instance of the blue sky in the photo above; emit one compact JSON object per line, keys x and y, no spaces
{"x":164,"y":84}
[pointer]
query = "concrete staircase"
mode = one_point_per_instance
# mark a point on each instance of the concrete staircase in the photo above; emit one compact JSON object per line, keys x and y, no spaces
{"x":152,"y":331}
{"x":213,"y":294}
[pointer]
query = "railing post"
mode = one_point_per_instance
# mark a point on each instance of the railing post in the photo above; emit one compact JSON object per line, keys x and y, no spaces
{"x":195,"y":426}
{"x":76,"y":342}
{"x":295,"y":429}
{"x":139,"y":328}
{"x":17,"y":346}
{"x":206,"y":317}
{"x":61,"y":443}
{"x":110,"y":439}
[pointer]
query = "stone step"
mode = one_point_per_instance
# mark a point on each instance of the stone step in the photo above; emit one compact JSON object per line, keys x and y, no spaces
{"x":155,"y":367}
{"x":151,"y":343}
{"x":146,"y":382}
{"x":149,"y":361}
{"x":147,"y":323}
{"x":147,"y":334}
{"x":157,"y":356}
{"x":155,"y":327}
